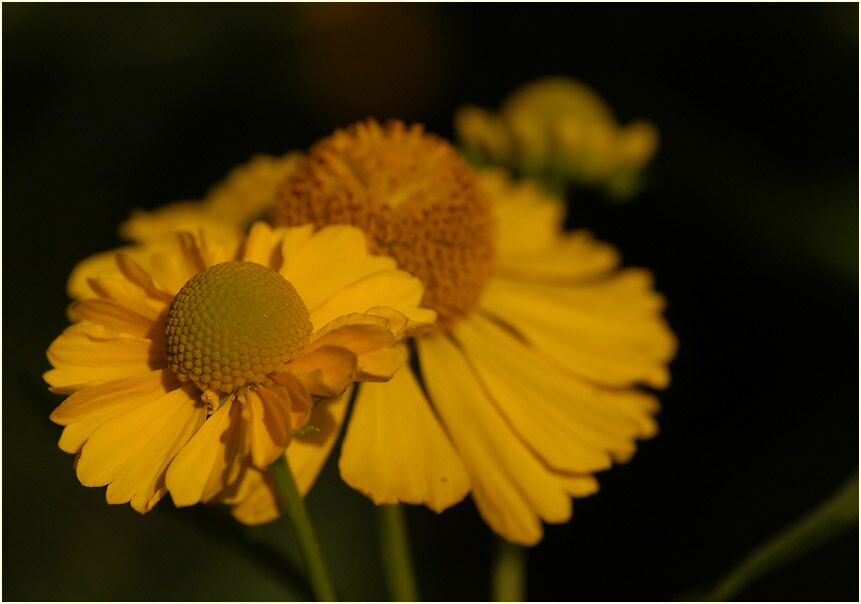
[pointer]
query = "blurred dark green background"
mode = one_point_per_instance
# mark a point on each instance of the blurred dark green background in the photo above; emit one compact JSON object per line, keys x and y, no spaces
{"x":750,"y":223}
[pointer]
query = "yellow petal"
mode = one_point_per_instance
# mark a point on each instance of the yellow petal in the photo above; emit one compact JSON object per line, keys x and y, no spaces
{"x":124,"y":292}
{"x":270,"y":424}
{"x":578,"y":485}
{"x":79,"y":358}
{"x":78,"y":285}
{"x":511,"y":487}
{"x":573,"y":425}
{"x":293,"y":240}
{"x":137,"y":275}
{"x":325,"y":371}
{"x":204,"y":465}
{"x":355,"y":332}
{"x":263,"y":246}
{"x":250,"y":188}
{"x":87,"y":409}
{"x":260,"y":503}
{"x":381,"y":365}
{"x":141,"y":480}
{"x":396,"y":451}
{"x":306,"y":455}
{"x":334,"y":257}
{"x":114,"y":316}
{"x":394,"y":289}
{"x":528,"y":220}
{"x":181,"y":216}
{"x":134,"y":447}
{"x":610,"y":332}
{"x":571,"y":258}
{"x":174,"y":261}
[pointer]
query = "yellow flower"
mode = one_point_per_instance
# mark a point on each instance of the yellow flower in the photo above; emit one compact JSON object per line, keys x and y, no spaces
{"x":560,"y":130}
{"x":226,"y":212}
{"x":190,"y":370}
{"x":531,"y":384}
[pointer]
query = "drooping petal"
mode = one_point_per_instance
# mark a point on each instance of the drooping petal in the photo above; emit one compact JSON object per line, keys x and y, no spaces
{"x":207,"y":463}
{"x":270,"y":424}
{"x":133,"y":448}
{"x":306,"y":454}
{"x":610,"y":332}
{"x":395,"y":449}
{"x":510,"y":486}
{"x":572,"y":425}
{"x":260,"y":504}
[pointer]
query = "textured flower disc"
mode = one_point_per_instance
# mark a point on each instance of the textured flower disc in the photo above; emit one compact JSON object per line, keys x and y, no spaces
{"x":233,"y":324}
{"x":413,"y":196}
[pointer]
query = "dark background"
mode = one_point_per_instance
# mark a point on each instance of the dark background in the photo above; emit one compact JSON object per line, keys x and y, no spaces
{"x":750,"y":223}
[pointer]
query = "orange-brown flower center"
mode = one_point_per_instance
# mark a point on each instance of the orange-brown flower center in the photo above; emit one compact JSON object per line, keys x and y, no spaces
{"x":413,"y":196}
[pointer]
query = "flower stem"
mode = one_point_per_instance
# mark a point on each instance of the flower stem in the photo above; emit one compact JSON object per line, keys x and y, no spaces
{"x":293,"y":506}
{"x":509,"y":572}
{"x":396,"y":554}
{"x":836,"y":515}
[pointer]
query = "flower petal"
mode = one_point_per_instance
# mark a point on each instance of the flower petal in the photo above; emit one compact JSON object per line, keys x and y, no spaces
{"x":80,"y":359}
{"x":270,"y":424}
{"x":306,"y":454}
{"x":113,"y":316}
{"x":610,"y":332}
{"x":260,"y":505}
{"x":128,"y":294}
{"x":137,"y":275}
{"x":511,"y":487}
{"x":133,"y":448}
{"x":331,"y":259}
{"x":326,"y":371}
{"x":572,"y":425}
{"x":527,"y":219}
{"x":78,"y":285}
{"x":87,"y":409}
{"x":572,"y":257}
{"x":263,"y":246}
{"x":395,"y":449}
{"x":394,"y":289}
{"x":206,"y":464}
{"x":141,"y":480}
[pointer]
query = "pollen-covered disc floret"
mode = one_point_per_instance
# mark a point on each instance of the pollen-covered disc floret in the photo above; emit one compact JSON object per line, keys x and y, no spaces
{"x":414,"y":197}
{"x":234,"y":323}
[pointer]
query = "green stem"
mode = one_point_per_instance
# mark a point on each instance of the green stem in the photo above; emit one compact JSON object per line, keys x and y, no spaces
{"x":509,"y":572}
{"x":396,"y":554}
{"x":293,"y":506}
{"x":837,"y":514}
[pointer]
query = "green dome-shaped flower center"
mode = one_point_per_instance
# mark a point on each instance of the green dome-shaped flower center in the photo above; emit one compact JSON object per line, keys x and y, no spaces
{"x":233,"y":324}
